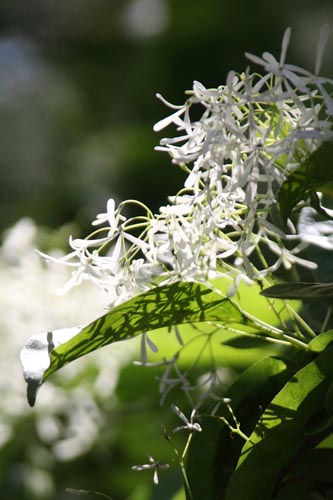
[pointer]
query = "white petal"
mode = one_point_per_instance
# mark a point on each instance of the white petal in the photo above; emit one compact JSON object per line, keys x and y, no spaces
{"x":179,"y":413}
{"x":168,"y":120}
{"x":255,"y":59}
{"x":323,"y":36}
{"x":285,"y":43}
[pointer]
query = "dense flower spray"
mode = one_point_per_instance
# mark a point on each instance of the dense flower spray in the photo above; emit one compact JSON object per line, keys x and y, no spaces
{"x":252,"y":133}
{"x":250,"y":137}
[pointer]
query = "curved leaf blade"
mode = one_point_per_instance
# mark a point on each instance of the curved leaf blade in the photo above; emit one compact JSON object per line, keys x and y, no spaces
{"x":321,"y":342}
{"x":282,"y":431}
{"x":300,"y":291}
{"x":164,"y":306}
{"x":213,"y":453}
{"x":313,"y":173}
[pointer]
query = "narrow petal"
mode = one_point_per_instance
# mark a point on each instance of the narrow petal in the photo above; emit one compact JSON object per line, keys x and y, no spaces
{"x":322,"y":41}
{"x":285,"y":44}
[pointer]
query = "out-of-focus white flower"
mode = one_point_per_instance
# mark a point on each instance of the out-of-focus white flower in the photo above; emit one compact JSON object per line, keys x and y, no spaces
{"x":28,"y":304}
{"x":154,"y":465}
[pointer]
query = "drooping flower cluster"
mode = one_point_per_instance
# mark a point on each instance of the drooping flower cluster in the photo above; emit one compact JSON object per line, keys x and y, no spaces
{"x":253,"y":131}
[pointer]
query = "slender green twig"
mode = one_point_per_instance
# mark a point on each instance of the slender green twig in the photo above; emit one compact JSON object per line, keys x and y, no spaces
{"x":275,"y":332}
{"x":181,"y":461}
{"x":326,"y":319}
{"x":302,"y":322}
{"x":82,"y":493}
{"x":235,"y":429}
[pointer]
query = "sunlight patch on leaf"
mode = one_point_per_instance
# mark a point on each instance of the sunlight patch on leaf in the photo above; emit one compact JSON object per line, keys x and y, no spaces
{"x":175,"y":304}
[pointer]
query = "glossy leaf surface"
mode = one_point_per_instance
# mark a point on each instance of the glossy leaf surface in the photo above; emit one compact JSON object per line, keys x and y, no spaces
{"x":214,"y":452}
{"x":165,"y":306}
{"x":281,"y":432}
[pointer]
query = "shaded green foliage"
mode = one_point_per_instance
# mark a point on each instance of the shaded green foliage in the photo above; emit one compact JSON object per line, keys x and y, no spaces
{"x":301,"y":291}
{"x":214,"y":452}
{"x":77,"y":130}
{"x":281,"y":432}
{"x":314,"y":172}
{"x":287,"y":413}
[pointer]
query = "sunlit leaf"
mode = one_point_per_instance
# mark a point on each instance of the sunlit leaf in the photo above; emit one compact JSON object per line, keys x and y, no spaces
{"x":319,"y":343}
{"x":281,"y":432}
{"x":313,"y":173}
{"x":165,"y":306}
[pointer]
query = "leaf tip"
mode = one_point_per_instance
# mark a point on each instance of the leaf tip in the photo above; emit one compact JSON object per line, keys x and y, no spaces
{"x":32,"y":389}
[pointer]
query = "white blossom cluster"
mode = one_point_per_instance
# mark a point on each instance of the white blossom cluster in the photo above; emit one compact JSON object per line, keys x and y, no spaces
{"x":251,"y":133}
{"x":68,"y":418}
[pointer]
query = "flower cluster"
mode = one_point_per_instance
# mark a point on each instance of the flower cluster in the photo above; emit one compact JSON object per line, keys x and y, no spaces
{"x":251,"y":133}
{"x":69,"y":417}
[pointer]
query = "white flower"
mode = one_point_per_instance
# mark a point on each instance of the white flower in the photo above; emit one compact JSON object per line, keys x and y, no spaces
{"x":251,"y":134}
{"x":68,"y":417}
{"x":190,"y":425}
{"x":154,"y":465}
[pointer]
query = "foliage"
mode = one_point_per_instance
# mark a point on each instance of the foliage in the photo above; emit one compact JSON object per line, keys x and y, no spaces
{"x":168,"y":306}
{"x":307,"y":179}
{"x":259,"y":136}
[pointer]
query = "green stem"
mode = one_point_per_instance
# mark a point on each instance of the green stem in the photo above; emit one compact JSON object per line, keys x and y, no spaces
{"x":301,"y":321}
{"x":275,"y":332}
{"x":274,"y":340}
{"x":81,"y":493}
{"x":181,"y":462}
{"x":236,"y":429}
{"x":183,"y":469}
{"x":326,"y":319}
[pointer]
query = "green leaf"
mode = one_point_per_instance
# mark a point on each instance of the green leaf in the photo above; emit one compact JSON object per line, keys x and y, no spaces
{"x":281,"y":432}
{"x":313,"y":173}
{"x":329,"y":400}
{"x":318,"y":423}
{"x":300,"y":291}
{"x":213,"y":454}
{"x":295,"y":489}
{"x":245,"y":342}
{"x":317,"y":464}
{"x":321,"y":342}
{"x":310,"y":475}
{"x":164,"y":306}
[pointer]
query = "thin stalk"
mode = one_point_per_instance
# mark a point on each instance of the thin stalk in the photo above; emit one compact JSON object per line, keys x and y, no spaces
{"x":81,"y":493}
{"x":181,"y":462}
{"x":275,"y":332}
{"x":301,"y":321}
{"x":236,"y":429}
{"x":274,"y":340}
{"x":271,"y":302}
{"x":182,"y":466}
{"x":326,"y":319}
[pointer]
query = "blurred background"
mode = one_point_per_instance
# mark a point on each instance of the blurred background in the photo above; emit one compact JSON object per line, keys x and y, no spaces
{"x":78,"y":80}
